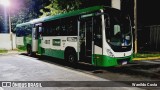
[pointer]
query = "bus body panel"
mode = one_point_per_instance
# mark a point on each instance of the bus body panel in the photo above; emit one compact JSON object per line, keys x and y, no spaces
{"x":106,"y":61}
{"x":20,"y":43}
{"x":23,"y":41}
{"x":55,"y":45}
{"x":23,"y":35}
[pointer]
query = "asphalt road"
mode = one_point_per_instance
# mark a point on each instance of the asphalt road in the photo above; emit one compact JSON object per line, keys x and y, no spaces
{"x":16,"y":67}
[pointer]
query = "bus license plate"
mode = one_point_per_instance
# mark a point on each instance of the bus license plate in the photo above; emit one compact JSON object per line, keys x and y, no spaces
{"x":124,"y":62}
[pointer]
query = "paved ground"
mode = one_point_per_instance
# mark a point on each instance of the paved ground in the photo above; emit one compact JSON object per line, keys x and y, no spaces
{"x":14,"y":67}
{"x":23,"y":68}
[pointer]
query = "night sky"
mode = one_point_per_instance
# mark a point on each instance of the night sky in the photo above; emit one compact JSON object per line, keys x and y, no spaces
{"x":148,"y":12}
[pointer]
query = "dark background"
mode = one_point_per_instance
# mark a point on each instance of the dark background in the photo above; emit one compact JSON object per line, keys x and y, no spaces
{"x":147,"y":16}
{"x":148,"y":12}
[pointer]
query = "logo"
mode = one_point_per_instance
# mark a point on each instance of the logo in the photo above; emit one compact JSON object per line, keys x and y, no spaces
{"x":6,"y":84}
{"x":21,"y":84}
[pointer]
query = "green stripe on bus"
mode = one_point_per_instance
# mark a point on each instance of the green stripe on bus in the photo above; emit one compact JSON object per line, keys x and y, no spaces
{"x":54,"y":53}
{"x":106,"y":61}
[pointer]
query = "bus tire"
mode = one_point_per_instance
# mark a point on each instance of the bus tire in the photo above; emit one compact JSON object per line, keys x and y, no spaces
{"x":29,"y":51}
{"x":71,"y":56}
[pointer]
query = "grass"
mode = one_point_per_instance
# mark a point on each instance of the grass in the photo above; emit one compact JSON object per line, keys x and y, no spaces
{"x":143,"y":55}
{"x":20,"y":50}
{"x":3,"y":51}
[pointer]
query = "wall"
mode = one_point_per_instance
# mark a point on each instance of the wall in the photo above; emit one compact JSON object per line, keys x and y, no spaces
{"x":14,"y":40}
{"x":5,"y":42}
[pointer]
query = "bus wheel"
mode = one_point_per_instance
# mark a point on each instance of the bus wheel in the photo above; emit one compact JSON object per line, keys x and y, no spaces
{"x":29,"y":51}
{"x":71,"y":57}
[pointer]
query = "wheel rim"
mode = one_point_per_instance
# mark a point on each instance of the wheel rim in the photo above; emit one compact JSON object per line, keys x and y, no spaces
{"x":71,"y":58}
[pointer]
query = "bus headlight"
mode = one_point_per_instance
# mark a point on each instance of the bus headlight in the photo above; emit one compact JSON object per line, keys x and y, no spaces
{"x":110,"y":53}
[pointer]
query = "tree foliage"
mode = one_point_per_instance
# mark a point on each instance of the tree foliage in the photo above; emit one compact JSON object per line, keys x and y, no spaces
{"x":27,"y":10}
{"x":22,"y":11}
{"x":1,"y":24}
{"x":63,"y":6}
{"x":60,"y":6}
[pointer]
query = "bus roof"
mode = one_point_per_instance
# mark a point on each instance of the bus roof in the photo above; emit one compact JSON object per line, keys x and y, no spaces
{"x":69,"y":14}
{"x":23,"y":24}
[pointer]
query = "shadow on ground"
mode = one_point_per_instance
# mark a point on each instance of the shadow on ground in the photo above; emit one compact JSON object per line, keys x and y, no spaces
{"x":136,"y":68}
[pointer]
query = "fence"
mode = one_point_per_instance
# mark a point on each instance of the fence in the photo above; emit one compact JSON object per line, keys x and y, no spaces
{"x":149,"y":38}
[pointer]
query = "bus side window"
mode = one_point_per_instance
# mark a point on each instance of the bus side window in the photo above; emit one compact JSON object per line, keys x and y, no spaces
{"x":43,"y":32}
{"x":63,"y":29}
{"x":46,"y":30}
{"x":72,"y":24}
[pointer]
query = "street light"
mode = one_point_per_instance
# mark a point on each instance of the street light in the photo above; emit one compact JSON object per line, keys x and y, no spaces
{"x":6,"y":3}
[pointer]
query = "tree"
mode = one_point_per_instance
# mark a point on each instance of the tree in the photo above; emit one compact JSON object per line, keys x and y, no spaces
{"x":19,"y":12}
{"x":26,"y":11}
{"x":1,"y":23}
{"x":51,"y":9}
{"x":60,"y":6}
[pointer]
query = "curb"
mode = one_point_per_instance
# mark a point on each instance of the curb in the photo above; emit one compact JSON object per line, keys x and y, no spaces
{"x":10,"y":53}
{"x":134,"y":59}
{"x":149,"y":58}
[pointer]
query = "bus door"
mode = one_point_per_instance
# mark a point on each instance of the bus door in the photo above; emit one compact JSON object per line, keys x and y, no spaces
{"x":36,"y":38}
{"x":98,"y":44}
{"x":86,"y":39}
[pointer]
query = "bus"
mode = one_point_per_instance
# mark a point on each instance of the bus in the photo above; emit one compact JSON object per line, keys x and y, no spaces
{"x":99,"y":35}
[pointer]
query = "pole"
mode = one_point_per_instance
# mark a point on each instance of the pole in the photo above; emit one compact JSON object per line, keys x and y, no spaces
{"x":135,"y":26}
{"x":10,"y":29}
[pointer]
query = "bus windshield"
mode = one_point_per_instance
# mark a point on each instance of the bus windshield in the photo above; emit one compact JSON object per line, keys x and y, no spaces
{"x":118,"y":29}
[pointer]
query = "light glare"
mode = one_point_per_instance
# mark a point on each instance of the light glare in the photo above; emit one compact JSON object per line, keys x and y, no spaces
{"x":5,"y":3}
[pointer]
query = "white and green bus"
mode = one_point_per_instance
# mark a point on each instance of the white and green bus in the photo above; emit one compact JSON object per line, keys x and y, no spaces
{"x":98,"y":35}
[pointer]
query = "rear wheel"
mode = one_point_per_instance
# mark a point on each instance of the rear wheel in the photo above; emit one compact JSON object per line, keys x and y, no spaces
{"x":29,"y":51}
{"x":71,"y":56}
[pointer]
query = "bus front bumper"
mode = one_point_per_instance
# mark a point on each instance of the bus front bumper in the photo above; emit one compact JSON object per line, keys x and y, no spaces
{"x":106,"y":61}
